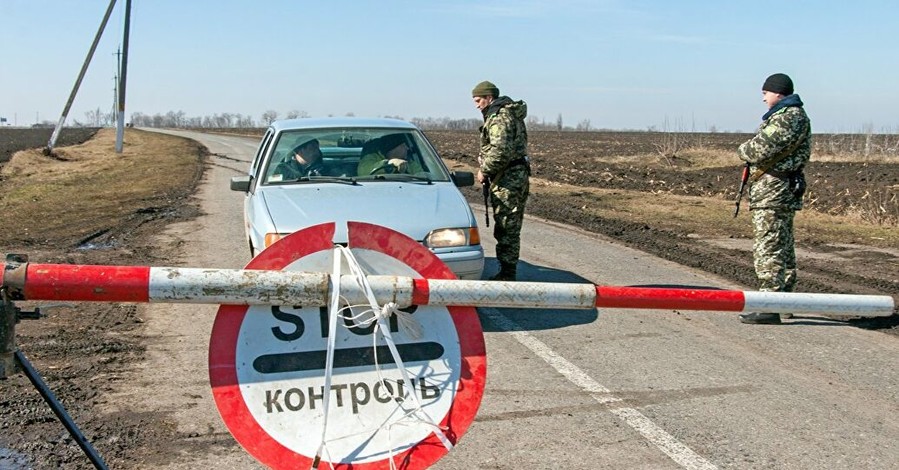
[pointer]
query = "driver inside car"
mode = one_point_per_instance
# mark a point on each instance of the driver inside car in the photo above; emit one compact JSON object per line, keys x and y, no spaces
{"x":305,"y":160}
{"x":390,"y":155}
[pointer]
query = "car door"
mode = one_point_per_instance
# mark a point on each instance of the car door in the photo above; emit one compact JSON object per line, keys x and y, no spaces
{"x":257,"y":165}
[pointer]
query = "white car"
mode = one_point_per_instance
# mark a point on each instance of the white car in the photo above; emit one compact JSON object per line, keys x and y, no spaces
{"x":423,"y":201}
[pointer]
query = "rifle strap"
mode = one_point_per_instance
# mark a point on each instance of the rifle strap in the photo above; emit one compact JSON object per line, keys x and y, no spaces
{"x":762,"y":169}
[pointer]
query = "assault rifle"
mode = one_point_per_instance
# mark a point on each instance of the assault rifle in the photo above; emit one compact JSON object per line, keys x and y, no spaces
{"x":485,"y":188}
{"x":743,"y":179}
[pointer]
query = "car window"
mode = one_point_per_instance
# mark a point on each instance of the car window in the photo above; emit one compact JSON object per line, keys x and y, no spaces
{"x":263,"y":148}
{"x":343,"y":148}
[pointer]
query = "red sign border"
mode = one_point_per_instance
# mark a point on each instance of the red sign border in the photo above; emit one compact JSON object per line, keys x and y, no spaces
{"x":226,"y":328}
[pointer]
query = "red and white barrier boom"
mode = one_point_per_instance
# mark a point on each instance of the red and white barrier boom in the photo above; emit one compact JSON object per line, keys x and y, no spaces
{"x":97,"y":283}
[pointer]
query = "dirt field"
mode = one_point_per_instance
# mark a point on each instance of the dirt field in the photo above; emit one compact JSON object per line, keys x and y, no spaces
{"x":600,"y":182}
{"x":87,"y":206}
{"x":13,"y":140}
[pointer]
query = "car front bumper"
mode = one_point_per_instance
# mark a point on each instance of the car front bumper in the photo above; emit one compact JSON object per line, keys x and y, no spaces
{"x":467,"y":264}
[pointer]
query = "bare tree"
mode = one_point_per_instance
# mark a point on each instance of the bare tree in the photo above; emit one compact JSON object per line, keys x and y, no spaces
{"x":245,"y":121}
{"x":94,"y":117}
{"x":269,"y":116}
{"x":671,"y":142}
{"x":174,"y":119}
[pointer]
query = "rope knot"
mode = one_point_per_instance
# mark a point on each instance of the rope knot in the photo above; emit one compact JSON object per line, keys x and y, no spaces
{"x":386,"y":310}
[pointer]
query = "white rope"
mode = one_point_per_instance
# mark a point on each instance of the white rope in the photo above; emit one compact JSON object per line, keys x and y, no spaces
{"x":333,"y":310}
{"x":378,"y":316}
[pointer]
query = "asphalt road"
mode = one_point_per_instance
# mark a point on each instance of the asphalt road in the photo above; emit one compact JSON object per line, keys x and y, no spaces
{"x":590,"y":389}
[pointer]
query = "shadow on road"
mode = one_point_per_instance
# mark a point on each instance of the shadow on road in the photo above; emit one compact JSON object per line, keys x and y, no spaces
{"x":526,"y":319}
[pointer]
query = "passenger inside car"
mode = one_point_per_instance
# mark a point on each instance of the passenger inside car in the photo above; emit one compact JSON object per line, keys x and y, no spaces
{"x":387,"y":154}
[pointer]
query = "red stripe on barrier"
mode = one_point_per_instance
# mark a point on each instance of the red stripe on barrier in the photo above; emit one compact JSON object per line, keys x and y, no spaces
{"x":658,"y":298}
{"x":421,"y":292}
{"x":87,"y":283}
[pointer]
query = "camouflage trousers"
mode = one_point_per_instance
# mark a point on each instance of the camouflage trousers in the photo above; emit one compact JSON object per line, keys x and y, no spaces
{"x":773,"y":251}
{"x":508,"y":198}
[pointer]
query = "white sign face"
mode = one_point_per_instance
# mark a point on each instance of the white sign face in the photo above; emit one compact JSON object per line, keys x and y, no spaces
{"x":282,"y":375}
{"x":267,"y":365}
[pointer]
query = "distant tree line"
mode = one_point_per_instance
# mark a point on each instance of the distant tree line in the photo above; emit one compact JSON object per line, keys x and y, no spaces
{"x":237,"y":120}
{"x":179,"y":119}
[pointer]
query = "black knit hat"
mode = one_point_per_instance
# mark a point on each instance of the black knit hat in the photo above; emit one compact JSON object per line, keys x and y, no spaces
{"x":391,"y":141}
{"x":778,"y":83}
{"x":299,"y":148}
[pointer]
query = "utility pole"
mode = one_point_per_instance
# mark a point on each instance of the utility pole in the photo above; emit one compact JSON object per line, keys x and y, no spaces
{"x":115,"y":98}
{"x":87,"y":61}
{"x":115,"y":84}
{"x":123,"y":73}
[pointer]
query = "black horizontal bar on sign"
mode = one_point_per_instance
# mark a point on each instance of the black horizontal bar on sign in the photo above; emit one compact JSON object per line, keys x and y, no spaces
{"x":346,"y":357}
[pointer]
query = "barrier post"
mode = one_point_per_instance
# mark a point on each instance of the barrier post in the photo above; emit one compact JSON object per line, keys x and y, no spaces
{"x":13,"y":274}
{"x":8,"y":317}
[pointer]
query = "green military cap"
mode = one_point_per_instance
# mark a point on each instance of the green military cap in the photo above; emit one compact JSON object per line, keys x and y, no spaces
{"x":485,"y":88}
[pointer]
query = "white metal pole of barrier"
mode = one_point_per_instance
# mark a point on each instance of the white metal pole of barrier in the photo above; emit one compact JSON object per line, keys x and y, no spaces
{"x":29,"y":281}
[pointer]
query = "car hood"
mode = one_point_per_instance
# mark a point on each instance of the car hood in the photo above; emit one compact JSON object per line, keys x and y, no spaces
{"x":410,"y":208}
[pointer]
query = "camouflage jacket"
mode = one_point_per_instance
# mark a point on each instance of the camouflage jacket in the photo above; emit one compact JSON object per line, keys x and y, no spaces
{"x":783,"y":126}
{"x":504,"y":136}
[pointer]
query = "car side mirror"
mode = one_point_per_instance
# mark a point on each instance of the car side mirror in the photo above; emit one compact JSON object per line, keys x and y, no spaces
{"x":462,"y":178}
{"x":241,"y":183}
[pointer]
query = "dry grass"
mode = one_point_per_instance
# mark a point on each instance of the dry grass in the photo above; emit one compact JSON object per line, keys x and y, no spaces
{"x":65,"y":199}
{"x":873,"y":206}
{"x":709,"y":217}
{"x":867,"y":204}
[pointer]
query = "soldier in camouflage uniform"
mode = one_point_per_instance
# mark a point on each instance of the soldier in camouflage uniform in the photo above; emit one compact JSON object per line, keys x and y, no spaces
{"x":776,"y":157}
{"x":505,"y":168}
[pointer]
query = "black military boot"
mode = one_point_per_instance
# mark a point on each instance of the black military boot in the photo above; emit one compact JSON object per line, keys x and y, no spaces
{"x":756,"y":318}
{"x":507,"y":272}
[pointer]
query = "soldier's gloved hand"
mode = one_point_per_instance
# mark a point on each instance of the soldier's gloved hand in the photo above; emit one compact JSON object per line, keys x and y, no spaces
{"x":399,"y":163}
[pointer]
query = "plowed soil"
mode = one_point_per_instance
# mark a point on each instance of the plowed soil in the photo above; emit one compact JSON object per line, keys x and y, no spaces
{"x":583,"y":160}
{"x":13,"y":140}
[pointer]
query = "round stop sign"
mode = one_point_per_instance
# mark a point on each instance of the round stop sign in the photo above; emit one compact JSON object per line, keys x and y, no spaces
{"x":267,"y":365}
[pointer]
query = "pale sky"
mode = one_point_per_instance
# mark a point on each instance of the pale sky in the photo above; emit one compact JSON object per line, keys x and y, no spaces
{"x":619,"y":64}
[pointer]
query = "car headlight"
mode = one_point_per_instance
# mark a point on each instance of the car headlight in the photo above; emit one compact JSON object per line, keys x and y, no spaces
{"x":271,"y":238}
{"x":452,"y":237}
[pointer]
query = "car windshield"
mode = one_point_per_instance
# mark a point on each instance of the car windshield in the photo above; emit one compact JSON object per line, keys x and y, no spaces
{"x":306,"y":156}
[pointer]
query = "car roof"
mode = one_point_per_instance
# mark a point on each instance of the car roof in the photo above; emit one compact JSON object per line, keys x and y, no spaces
{"x":339,"y":122}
